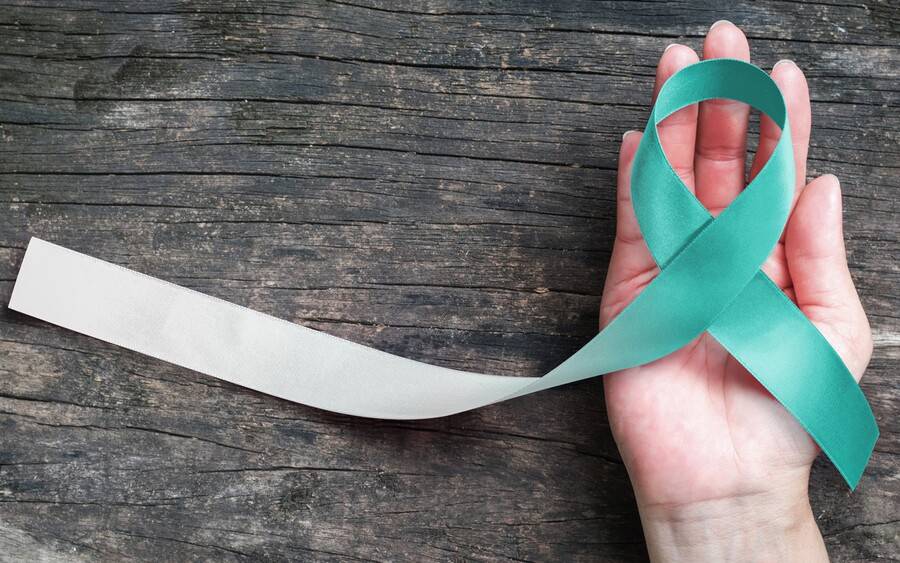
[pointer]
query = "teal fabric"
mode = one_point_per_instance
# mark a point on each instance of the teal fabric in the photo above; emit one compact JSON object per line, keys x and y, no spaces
{"x":710,"y":279}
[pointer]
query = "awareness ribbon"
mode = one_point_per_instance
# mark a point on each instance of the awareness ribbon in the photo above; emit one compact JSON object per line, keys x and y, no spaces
{"x":710,"y":280}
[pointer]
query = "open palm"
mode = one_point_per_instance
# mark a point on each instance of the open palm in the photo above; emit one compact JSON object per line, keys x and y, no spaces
{"x":696,"y":426}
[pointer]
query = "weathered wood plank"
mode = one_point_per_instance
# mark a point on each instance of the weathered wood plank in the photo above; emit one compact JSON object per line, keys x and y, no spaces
{"x":435,"y":180}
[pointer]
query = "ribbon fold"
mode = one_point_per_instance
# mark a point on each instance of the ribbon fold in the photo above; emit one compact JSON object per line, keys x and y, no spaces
{"x":710,"y":280}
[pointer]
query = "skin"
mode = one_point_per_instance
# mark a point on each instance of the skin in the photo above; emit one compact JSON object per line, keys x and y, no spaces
{"x":720,"y":469}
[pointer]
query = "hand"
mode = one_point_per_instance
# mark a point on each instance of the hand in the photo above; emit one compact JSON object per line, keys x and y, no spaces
{"x":720,"y":469}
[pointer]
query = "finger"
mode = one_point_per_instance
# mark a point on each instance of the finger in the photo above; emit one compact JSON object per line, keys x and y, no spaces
{"x":722,"y":128}
{"x":817,"y":260}
{"x":631,"y":261}
{"x":793,"y":87}
{"x":627,"y":228}
{"x":678,"y":132}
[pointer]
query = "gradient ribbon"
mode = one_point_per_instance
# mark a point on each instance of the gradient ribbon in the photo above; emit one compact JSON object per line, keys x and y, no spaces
{"x":710,"y":280}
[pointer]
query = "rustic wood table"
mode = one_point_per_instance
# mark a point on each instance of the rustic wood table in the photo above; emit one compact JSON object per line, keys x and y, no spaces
{"x":435,"y":180}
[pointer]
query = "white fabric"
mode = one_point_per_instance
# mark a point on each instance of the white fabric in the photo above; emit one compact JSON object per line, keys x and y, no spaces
{"x":240,"y":345}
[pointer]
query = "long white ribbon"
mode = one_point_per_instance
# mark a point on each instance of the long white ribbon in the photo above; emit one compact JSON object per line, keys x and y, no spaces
{"x":246,"y":347}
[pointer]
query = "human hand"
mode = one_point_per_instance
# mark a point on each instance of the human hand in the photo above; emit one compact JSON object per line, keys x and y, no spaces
{"x":720,"y":469}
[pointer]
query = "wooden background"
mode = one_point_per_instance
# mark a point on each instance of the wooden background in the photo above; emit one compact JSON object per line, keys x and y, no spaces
{"x":433,"y":179}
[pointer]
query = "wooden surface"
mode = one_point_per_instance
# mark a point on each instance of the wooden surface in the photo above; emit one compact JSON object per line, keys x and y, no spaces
{"x":432,"y":179}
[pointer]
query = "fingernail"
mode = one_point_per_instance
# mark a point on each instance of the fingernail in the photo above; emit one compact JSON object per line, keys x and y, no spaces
{"x":670,"y":46}
{"x":833,"y":197}
{"x":834,"y":186}
{"x":785,"y":62}
{"x":626,"y":133}
{"x":718,"y":23}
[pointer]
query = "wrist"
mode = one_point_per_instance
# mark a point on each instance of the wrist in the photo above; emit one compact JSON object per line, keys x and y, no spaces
{"x":773,"y":525}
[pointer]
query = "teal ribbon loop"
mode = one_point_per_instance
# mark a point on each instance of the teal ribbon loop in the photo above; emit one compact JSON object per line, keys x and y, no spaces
{"x":710,"y":278}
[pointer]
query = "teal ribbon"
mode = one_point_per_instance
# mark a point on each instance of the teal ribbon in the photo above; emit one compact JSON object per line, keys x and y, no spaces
{"x":710,"y":278}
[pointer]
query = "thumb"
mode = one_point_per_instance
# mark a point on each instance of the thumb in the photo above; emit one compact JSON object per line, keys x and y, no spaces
{"x":817,"y":261}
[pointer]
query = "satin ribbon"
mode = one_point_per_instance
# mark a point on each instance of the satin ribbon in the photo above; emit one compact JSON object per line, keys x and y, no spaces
{"x":710,"y":280}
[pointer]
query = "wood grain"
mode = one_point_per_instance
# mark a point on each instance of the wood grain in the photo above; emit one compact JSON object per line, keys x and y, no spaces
{"x":433,"y":179}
